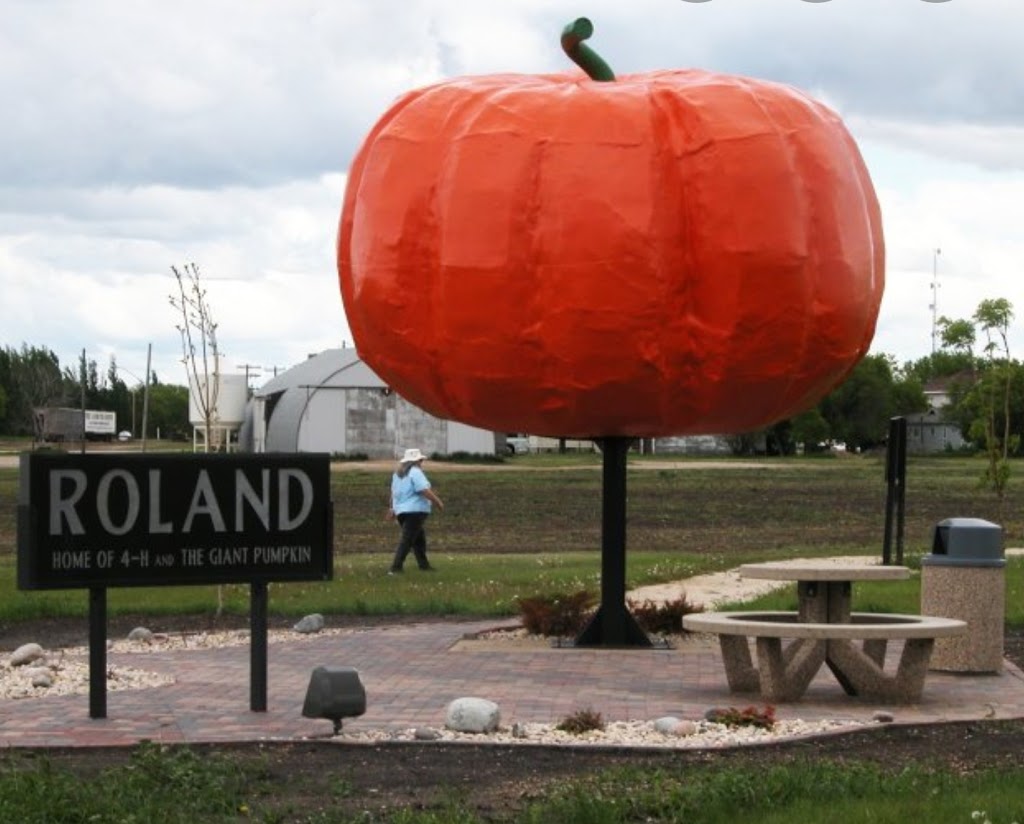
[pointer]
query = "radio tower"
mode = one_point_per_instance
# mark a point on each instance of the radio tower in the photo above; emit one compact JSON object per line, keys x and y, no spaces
{"x":935,"y":297}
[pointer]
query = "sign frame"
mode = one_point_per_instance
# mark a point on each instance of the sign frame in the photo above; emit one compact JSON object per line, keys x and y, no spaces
{"x":110,"y":519}
{"x":68,"y":502}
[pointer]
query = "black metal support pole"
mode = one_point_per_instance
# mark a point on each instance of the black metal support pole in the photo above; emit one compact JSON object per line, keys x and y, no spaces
{"x":258,"y":646}
{"x":890,"y":498}
{"x":97,"y":652}
{"x":895,"y":480}
{"x":901,"y":490}
{"x":612,"y":624}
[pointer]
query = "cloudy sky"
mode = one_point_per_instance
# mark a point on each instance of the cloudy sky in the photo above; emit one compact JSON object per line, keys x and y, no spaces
{"x":141,"y":135}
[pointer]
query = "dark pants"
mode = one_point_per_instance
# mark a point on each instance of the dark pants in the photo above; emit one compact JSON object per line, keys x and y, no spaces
{"x":413,"y":537}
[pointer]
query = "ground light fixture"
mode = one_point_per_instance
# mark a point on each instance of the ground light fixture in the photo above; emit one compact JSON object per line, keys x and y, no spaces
{"x":334,"y":693}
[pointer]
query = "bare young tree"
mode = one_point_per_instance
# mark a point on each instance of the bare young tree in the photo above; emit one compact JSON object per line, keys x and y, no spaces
{"x":200,"y":353}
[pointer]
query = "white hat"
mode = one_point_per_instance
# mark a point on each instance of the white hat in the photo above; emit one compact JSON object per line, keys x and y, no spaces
{"x":412,"y":456}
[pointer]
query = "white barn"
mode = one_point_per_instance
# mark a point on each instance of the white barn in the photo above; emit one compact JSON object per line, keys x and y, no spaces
{"x":333,"y":402}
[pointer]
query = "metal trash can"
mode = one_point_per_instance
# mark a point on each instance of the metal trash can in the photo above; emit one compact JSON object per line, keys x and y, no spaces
{"x":964,"y":577}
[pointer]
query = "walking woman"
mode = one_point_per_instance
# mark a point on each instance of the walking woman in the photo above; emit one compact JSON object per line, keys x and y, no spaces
{"x":411,"y":503}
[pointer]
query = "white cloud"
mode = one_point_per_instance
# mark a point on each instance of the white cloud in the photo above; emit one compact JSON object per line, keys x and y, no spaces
{"x":141,"y":135}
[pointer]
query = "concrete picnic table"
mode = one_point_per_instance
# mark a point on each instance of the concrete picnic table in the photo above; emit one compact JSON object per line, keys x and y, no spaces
{"x":824,"y":630}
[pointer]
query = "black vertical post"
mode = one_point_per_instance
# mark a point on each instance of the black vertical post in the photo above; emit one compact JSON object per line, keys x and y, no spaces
{"x":97,"y":652}
{"x":901,"y":487}
{"x":258,"y":646}
{"x":895,"y":480}
{"x":612,"y":624}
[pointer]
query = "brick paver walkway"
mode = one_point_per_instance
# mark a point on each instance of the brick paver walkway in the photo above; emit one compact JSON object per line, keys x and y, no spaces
{"x":412,"y":672}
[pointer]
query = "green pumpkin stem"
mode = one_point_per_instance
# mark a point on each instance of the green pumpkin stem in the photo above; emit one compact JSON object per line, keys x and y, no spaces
{"x":581,"y":54}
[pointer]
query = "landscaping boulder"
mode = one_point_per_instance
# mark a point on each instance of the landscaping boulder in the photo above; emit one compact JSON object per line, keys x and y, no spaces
{"x":41,"y":677}
{"x":310,"y":624}
{"x":26,"y":654}
{"x":666,"y":725}
{"x":472,"y":715}
{"x":426,"y":734}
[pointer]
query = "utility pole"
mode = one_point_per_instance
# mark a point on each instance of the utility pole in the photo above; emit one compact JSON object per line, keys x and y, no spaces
{"x":935,"y":297}
{"x":145,"y":395}
{"x":83,"y":401}
{"x":250,"y":369}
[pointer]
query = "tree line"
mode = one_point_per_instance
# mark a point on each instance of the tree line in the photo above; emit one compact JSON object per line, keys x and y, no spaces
{"x":984,"y":383}
{"x":32,"y":378}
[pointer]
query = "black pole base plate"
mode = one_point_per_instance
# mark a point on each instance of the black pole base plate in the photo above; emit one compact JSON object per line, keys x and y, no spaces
{"x":613,"y":630}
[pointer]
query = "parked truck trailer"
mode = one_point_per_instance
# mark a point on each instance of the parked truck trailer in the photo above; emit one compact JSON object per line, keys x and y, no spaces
{"x":64,"y":423}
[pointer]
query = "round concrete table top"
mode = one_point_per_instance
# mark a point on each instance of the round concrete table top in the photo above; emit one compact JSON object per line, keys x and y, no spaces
{"x":824,"y":570}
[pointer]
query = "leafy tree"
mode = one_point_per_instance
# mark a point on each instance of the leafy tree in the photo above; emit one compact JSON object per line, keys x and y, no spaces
{"x":858,"y":411}
{"x":168,"y":410}
{"x":993,"y":317}
{"x":958,"y":336}
{"x":30,"y":378}
{"x":810,"y":429}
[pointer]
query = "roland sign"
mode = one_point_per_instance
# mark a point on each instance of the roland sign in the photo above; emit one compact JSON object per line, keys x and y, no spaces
{"x":146,"y":520}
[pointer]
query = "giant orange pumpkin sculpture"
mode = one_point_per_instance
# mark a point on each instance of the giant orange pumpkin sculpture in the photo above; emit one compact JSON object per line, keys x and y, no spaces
{"x":665,"y":253}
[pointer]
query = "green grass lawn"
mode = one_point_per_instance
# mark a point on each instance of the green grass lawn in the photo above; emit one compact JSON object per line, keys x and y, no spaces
{"x":182,"y":785}
{"x":533,"y":527}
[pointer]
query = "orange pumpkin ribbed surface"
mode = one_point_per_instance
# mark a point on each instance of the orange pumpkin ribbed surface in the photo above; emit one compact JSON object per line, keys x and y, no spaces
{"x":670,"y":253}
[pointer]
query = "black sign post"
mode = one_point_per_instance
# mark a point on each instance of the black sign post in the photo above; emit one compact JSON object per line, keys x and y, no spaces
{"x":97,"y":652}
{"x":101,"y":520}
{"x":258,"y":651}
{"x":895,"y":488}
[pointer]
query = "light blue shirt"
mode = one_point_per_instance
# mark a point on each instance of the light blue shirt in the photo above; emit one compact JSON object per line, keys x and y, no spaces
{"x":405,"y":492}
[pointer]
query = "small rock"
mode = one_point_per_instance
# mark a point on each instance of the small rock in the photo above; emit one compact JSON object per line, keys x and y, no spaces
{"x":141,"y":634}
{"x":666,"y":725}
{"x":518,"y":730}
{"x":426,"y":734}
{"x":26,"y":654}
{"x":472,"y":715}
{"x":684,"y":729}
{"x":310,"y":624}
{"x":42,"y":679}
{"x":883,"y":716}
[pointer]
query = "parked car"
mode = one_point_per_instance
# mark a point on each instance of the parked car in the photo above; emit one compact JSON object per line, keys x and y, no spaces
{"x":517,"y":444}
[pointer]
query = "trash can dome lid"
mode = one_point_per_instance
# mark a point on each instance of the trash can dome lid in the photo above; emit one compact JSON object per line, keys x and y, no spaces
{"x":976,"y":523}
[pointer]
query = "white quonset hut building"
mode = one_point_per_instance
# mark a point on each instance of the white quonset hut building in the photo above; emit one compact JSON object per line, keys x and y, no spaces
{"x":335,"y":403}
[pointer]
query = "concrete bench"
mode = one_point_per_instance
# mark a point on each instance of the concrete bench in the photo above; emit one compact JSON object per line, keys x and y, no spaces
{"x":784,"y":673}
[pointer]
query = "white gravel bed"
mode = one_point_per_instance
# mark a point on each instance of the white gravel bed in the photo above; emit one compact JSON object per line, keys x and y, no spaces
{"x":174,"y":641}
{"x":706,"y":734}
{"x":71,"y":677}
{"x":69,"y":667}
